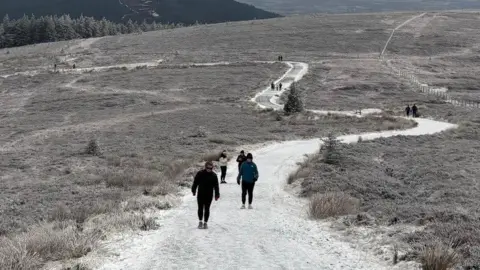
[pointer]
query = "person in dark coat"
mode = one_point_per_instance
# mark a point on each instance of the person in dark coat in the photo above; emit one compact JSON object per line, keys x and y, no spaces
{"x":280,"y":86}
{"x":414,"y":110}
{"x":240,"y":159}
{"x":204,"y":185}
{"x":249,"y":175}
{"x":407,"y":110}
{"x":272,"y":86}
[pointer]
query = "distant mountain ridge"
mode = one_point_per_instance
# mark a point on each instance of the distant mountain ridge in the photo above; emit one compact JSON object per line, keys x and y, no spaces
{"x":290,"y":7}
{"x":174,"y":11}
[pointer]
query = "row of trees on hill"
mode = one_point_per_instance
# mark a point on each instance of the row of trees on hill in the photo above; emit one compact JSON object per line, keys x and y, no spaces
{"x":30,"y":30}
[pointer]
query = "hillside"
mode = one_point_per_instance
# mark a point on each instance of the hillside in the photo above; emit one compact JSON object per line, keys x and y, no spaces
{"x":96,"y":160}
{"x":287,"y":7}
{"x":179,"y":11}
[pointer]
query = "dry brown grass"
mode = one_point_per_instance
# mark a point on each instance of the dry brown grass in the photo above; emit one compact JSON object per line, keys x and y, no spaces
{"x":132,"y":177}
{"x":15,"y":256}
{"x":145,"y":202}
{"x":212,"y":156}
{"x":177,"y":167}
{"x":65,"y":240}
{"x":80,"y":213}
{"x":332,"y":205}
{"x":52,"y":241}
{"x":121,"y":220}
{"x":304,"y":170}
{"x":439,"y":257}
{"x":223,"y":141}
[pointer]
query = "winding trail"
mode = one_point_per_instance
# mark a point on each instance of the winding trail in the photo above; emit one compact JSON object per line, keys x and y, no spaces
{"x":276,"y":234}
{"x":398,"y":27}
{"x":412,"y":78}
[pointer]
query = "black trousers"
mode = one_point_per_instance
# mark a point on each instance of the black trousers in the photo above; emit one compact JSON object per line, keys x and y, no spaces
{"x":204,"y":203}
{"x":224,"y":172}
{"x":247,"y":188}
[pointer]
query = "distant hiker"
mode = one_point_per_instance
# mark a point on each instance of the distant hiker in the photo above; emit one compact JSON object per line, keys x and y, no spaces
{"x":280,"y":58}
{"x":74,"y":66}
{"x":414,"y":110}
{"x":272,"y":86}
{"x":55,"y":67}
{"x":240,"y":159}
{"x":223,"y":161}
{"x":280,"y":86}
{"x":407,"y":110}
{"x":249,"y":175}
{"x":207,"y":182}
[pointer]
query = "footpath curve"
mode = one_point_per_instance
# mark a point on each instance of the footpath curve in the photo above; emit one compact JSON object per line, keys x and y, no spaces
{"x":276,"y":234}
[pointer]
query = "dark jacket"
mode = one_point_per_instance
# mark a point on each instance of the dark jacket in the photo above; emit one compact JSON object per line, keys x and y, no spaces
{"x":241,"y":159}
{"x":206,"y":182}
{"x":248,"y":172}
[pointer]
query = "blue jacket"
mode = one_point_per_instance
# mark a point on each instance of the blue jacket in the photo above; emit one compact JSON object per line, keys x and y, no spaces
{"x":248,"y":172}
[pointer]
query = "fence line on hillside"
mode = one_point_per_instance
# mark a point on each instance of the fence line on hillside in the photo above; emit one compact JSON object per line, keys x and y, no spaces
{"x":425,"y":88}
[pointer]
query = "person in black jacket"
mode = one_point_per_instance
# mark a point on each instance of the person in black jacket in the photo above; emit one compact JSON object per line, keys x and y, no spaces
{"x":414,"y":110}
{"x":207,"y":182}
{"x":407,"y":110}
{"x":240,"y":159}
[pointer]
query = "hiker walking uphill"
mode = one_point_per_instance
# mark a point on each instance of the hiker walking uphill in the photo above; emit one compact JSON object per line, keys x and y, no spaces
{"x":206,"y":181}
{"x":240,"y":159}
{"x":272,"y":86}
{"x":414,"y":111}
{"x":223,"y":162}
{"x":407,"y":110}
{"x":249,"y":175}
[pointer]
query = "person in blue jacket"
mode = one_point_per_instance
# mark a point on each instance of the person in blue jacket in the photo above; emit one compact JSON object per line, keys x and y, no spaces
{"x":249,"y":175}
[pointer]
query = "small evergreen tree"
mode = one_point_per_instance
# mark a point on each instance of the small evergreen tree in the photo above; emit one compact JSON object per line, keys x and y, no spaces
{"x":92,"y":148}
{"x":294,"y":102}
{"x":331,"y":154}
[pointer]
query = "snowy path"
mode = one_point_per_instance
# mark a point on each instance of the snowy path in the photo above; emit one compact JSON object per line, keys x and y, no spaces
{"x":276,"y":234}
{"x":423,"y":87}
{"x":127,"y":66}
{"x":398,"y":27}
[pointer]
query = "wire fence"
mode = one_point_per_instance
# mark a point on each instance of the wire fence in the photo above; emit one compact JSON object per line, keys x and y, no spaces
{"x":424,"y":88}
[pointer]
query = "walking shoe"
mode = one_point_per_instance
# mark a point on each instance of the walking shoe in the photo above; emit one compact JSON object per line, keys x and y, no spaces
{"x":205,"y":226}
{"x":200,"y":225}
{"x":250,"y":206}
{"x":243,"y":206}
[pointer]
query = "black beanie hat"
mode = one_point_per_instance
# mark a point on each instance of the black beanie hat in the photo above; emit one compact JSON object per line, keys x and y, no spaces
{"x":249,"y":156}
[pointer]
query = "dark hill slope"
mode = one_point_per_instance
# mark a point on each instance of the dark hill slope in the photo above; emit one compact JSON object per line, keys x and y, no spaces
{"x":178,"y":11}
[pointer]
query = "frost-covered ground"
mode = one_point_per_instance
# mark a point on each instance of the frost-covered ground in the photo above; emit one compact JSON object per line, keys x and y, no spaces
{"x":275,"y":234}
